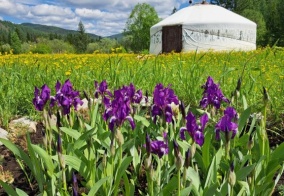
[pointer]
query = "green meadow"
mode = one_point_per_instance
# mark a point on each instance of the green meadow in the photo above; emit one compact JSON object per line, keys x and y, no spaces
{"x":185,"y":73}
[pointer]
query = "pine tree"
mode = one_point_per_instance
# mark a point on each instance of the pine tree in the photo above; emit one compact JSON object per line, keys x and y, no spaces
{"x":15,"y":42}
{"x":81,"y":39}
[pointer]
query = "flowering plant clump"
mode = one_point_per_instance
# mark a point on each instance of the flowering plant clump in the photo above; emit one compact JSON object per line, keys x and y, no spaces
{"x":194,"y":130}
{"x":212,"y":94}
{"x":103,"y":92}
{"x":41,"y":98}
{"x":163,"y":98}
{"x":131,"y":94}
{"x":118,"y":111}
{"x":157,"y":147}
{"x":94,"y":157}
{"x":119,"y":108}
{"x":228,"y":123}
{"x":65,"y":97}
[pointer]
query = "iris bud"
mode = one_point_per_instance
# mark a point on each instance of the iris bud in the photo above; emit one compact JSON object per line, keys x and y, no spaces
{"x":104,"y":161}
{"x":178,"y":157}
{"x":58,"y":122}
{"x":265,"y":96}
{"x":250,"y":142}
{"x":119,"y":137}
{"x":74,"y":185}
{"x":175,"y":109}
{"x":148,"y":162}
{"x":112,"y":148}
{"x":182,"y":109}
{"x":238,"y":88}
{"x":193,"y":149}
{"x":148,"y":144}
{"x":232,"y":175}
{"x":179,"y":161}
{"x":187,"y":158}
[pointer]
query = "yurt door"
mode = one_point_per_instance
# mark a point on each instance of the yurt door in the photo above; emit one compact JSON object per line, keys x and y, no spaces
{"x":172,"y":38}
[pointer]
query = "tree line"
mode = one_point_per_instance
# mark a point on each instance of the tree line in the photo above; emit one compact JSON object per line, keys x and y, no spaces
{"x":268,"y":14}
{"x":136,"y":37}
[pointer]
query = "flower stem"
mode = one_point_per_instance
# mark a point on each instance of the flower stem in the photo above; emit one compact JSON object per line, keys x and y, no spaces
{"x":227,"y":145}
{"x":120,"y":156}
{"x":48,"y":133}
{"x":184,"y":176}
{"x":178,"y":193}
{"x":231,"y":190}
{"x":64,"y":179}
{"x":263,"y":130}
{"x":150,"y":183}
{"x":227,"y":149}
{"x":119,"y":163}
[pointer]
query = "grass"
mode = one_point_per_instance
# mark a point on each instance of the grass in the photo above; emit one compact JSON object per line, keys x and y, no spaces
{"x":185,"y":72}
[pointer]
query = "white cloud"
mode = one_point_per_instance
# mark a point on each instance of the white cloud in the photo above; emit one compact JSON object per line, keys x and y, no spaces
{"x":90,"y":14}
{"x":46,"y":10}
{"x":99,"y":4}
{"x":11,"y":8}
{"x":100,"y":15}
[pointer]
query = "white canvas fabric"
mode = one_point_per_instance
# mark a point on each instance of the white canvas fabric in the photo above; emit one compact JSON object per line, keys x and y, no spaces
{"x":207,"y":27}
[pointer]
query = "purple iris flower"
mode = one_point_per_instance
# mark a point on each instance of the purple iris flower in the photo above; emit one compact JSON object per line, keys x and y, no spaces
{"x":212,"y":94}
{"x":66,"y":97}
{"x":118,"y":111}
{"x":100,"y":88}
{"x":103,"y":91}
{"x":163,"y":97}
{"x":40,"y":98}
{"x":157,"y":147}
{"x":131,"y":94}
{"x":193,"y":129}
{"x":227,"y":123}
{"x":232,"y":113}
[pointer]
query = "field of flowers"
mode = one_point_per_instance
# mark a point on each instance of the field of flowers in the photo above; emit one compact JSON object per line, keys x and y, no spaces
{"x":202,"y":126}
{"x":185,"y":72}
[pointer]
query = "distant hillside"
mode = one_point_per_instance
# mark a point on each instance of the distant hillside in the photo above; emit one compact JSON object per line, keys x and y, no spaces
{"x":118,"y":36}
{"x":6,"y":26}
{"x":44,"y":30}
{"x":54,"y":30}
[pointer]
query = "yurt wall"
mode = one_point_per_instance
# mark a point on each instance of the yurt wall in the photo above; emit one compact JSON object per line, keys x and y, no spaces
{"x":203,"y":27}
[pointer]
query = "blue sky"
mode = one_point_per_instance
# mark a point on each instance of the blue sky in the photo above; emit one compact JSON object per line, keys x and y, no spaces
{"x":101,"y":17}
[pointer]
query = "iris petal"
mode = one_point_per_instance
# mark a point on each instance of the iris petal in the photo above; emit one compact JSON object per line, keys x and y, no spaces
{"x":181,"y":132}
{"x":199,"y":138}
{"x":131,"y":121}
{"x":112,"y":122}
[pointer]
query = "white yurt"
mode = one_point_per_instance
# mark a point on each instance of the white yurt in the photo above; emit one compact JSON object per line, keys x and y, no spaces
{"x":203,"y":27}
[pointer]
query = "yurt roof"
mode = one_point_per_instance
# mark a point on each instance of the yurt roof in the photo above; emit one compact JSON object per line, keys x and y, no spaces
{"x":204,"y":14}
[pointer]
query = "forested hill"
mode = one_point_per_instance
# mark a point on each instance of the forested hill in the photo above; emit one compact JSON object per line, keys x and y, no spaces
{"x":30,"y":30}
{"x":25,"y":33}
{"x":54,"y":30}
